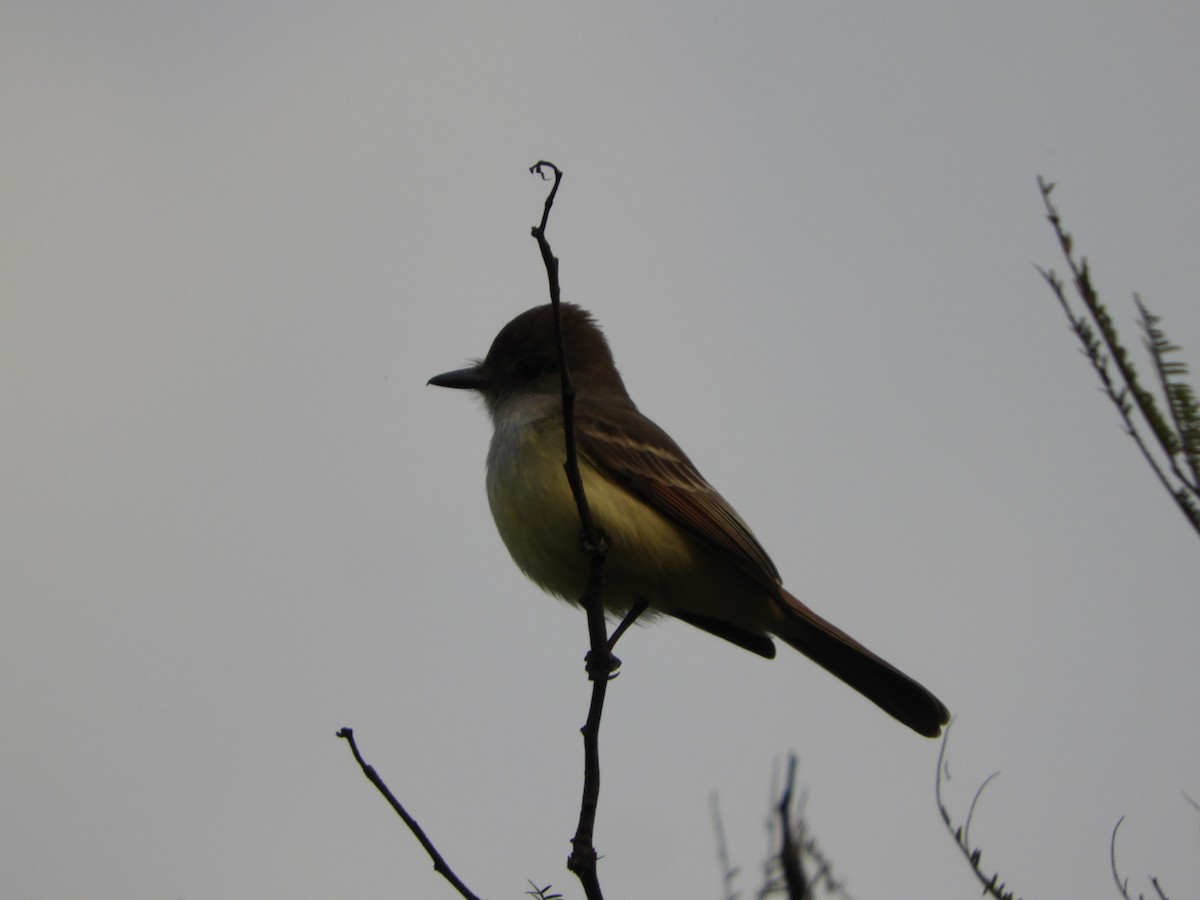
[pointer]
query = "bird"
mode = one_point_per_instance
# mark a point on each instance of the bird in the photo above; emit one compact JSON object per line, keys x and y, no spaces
{"x":675,"y":546}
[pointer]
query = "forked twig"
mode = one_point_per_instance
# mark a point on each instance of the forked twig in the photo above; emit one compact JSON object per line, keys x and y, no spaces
{"x":1123,"y":883}
{"x":789,"y":850}
{"x":1178,"y":436}
{"x":992,"y":885}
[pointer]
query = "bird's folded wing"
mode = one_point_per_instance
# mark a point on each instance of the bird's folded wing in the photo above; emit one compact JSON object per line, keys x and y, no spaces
{"x":652,"y":466}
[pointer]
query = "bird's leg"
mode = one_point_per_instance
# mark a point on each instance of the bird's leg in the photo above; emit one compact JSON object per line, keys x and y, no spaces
{"x":609,"y":671}
{"x":630,"y":617}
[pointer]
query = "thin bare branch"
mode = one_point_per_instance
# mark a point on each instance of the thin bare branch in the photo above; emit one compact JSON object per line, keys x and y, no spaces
{"x":1191,"y":802}
{"x":542,"y":893}
{"x":728,"y":872}
{"x":600,"y":661}
{"x":974,"y":803}
{"x":789,"y":849}
{"x":992,"y":885}
{"x":796,"y":865}
{"x":1123,"y":883}
{"x":439,"y":863}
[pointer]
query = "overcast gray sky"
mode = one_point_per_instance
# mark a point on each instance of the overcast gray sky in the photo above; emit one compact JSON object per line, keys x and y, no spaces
{"x":239,"y":237}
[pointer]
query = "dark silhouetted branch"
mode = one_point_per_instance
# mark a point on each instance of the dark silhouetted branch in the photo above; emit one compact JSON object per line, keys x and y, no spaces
{"x":1177,"y":434}
{"x":600,"y":661}
{"x":992,"y":885}
{"x":542,"y":893}
{"x":789,"y":847}
{"x":798,"y":868}
{"x":728,"y":871}
{"x":439,"y":864}
{"x":1123,"y":883}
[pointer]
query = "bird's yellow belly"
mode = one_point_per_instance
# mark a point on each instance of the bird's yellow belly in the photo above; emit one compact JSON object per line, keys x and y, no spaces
{"x":537,"y":519}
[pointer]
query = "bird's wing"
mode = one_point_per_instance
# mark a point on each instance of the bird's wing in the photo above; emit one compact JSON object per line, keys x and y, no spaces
{"x":653,"y":467}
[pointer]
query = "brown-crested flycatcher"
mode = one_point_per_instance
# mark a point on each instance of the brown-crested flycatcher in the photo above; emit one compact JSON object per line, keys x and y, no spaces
{"x":675,"y":547}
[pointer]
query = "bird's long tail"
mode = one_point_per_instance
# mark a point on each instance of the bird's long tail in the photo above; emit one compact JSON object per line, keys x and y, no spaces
{"x":878,"y":681}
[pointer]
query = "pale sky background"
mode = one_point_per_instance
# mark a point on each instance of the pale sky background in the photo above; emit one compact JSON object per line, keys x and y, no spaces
{"x":239,"y":237}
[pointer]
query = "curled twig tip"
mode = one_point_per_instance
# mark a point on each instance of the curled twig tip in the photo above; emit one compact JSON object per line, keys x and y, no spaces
{"x":539,"y":167}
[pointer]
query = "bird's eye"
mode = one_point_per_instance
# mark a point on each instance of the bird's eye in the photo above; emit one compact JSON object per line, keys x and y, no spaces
{"x":530,"y":369}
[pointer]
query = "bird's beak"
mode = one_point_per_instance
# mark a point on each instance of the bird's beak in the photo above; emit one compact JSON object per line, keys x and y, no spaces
{"x":470,"y":379}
